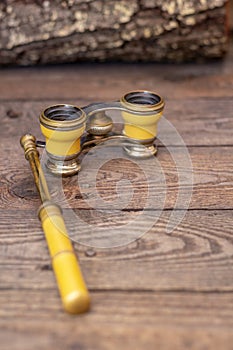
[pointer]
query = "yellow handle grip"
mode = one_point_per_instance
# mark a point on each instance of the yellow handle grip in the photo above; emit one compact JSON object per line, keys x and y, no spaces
{"x":73,"y":291}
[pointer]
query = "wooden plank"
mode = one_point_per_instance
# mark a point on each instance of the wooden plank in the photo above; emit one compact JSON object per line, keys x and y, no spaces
{"x":165,"y":321}
{"x":212,"y":185}
{"x":165,"y":291}
{"x":196,"y":256}
{"x":111,"y":81}
{"x":215,"y":309}
{"x":208,"y":122}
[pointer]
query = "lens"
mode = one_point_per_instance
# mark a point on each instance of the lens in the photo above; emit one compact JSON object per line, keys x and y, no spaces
{"x":63,"y":113}
{"x":142,"y":98}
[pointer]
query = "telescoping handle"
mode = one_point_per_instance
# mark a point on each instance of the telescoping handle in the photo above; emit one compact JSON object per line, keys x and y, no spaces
{"x":73,"y":291}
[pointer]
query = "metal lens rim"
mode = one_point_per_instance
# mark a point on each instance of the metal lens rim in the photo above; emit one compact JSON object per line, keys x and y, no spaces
{"x":63,"y":116}
{"x":142,"y":100}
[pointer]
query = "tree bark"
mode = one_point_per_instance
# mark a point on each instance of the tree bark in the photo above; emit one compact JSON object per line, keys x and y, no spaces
{"x":40,"y":32}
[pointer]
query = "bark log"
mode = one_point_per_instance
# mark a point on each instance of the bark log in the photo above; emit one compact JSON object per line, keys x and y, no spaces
{"x":39,"y":32}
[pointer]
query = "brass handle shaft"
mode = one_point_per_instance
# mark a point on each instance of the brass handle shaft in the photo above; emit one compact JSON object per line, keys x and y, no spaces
{"x":73,"y":291}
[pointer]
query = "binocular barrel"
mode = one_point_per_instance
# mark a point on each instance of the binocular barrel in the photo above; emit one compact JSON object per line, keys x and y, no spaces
{"x":64,"y":125}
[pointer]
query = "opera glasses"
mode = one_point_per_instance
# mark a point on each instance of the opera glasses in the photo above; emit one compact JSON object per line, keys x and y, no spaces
{"x":70,"y":131}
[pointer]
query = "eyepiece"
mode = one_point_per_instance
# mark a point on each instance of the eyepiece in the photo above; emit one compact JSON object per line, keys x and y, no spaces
{"x":142,"y":98}
{"x":63,"y":116}
{"x":143,"y":101}
{"x":62,"y":112}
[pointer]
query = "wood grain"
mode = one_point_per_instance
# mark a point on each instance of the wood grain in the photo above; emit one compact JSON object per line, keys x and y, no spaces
{"x":212,"y":174}
{"x":196,"y":256}
{"x":110,"y":81}
{"x":206,"y":123}
{"x":115,"y":317}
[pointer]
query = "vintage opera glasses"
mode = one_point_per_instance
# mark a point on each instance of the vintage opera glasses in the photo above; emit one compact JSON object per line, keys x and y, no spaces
{"x":69,"y":130}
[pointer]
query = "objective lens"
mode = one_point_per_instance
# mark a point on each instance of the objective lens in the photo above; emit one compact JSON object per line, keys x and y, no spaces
{"x":142,"y":98}
{"x":63,"y":112}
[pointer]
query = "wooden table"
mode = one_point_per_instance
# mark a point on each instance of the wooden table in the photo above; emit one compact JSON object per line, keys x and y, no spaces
{"x":163,"y":291}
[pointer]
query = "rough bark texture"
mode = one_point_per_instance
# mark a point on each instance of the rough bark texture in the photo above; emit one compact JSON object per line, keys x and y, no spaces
{"x":35,"y":31}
